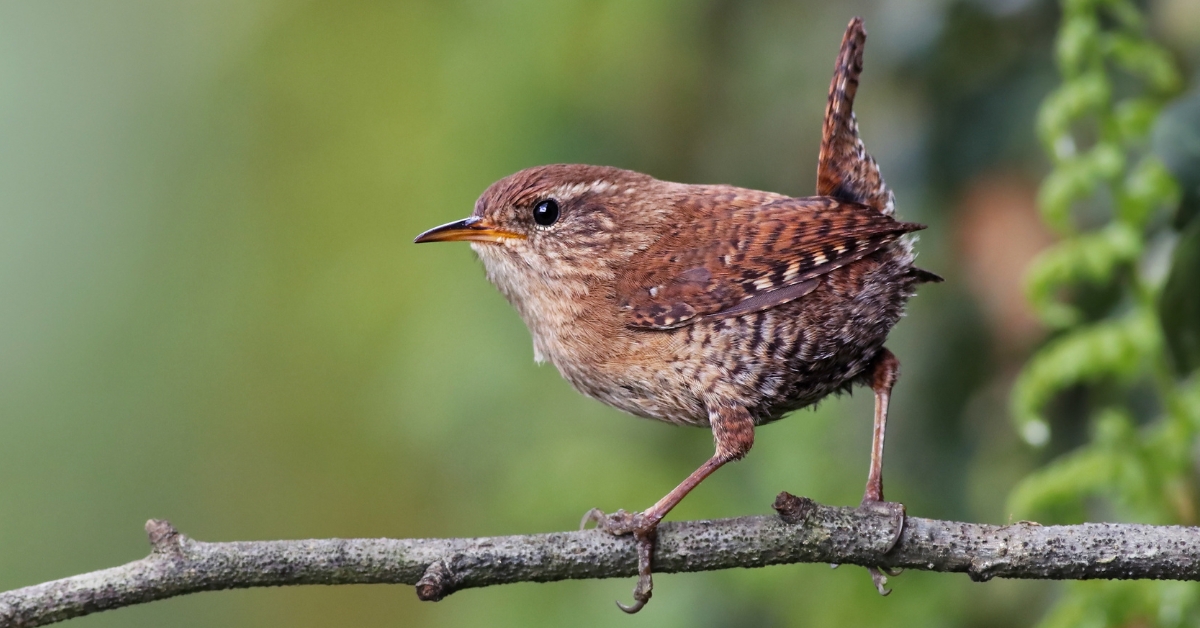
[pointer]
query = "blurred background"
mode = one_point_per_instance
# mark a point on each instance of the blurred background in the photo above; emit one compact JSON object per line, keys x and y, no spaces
{"x":212,"y":311}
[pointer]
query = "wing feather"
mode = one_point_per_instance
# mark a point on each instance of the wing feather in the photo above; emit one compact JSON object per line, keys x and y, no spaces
{"x":746,"y":259}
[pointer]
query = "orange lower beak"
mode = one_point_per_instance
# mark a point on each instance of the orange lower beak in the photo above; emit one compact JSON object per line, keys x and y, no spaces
{"x":472,"y":229}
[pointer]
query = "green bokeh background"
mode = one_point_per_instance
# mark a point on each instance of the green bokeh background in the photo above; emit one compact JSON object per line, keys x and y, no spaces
{"x":211,"y":310}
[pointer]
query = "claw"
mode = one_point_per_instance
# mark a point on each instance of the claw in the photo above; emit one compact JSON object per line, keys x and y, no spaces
{"x":594,"y":515}
{"x":632,"y":608}
{"x":879,"y":579}
{"x":895,"y":510}
{"x":645,"y":583}
{"x":621,"y":523}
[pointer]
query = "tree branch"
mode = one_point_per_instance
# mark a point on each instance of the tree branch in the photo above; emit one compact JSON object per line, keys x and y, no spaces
{"x":804,"y":532}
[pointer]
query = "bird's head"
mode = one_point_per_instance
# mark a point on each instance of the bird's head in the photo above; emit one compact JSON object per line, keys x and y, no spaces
{"x":558,"y":227}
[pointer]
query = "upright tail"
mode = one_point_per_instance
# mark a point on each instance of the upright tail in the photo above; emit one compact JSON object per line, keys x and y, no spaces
{"x":845,"y":170}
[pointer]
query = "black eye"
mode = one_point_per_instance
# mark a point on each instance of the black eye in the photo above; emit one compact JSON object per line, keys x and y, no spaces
{"x":546,"y":212}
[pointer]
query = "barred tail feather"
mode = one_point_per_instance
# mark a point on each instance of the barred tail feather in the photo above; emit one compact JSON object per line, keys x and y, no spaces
{"x":845,"y":170}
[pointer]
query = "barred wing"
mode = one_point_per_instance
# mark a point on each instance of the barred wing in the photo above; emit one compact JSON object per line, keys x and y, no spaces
{"x":742,"y":260}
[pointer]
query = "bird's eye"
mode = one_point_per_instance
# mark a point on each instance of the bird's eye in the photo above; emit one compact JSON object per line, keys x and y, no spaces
{"x":545,"y":213}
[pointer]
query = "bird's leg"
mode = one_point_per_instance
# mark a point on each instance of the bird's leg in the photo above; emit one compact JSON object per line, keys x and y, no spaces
{"x":733,"y":433}
{"x":883,"y":376}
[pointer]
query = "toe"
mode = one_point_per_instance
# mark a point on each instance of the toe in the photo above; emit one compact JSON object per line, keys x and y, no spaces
{"x":645,"y":583}
{"x":619,"y":523}
{"x":880,"y":580}
{"x":595,"y":516}
{"x":633,"y":608}
{"x":894,"y":510}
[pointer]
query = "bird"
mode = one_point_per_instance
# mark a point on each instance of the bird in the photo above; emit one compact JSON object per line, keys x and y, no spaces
{"x":711,"y":306}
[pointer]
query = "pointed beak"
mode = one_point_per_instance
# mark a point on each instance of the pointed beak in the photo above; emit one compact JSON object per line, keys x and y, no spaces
{"x":473,"y":229}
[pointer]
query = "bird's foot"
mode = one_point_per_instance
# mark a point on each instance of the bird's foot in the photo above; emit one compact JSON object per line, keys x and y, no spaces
{"x":643,"y":530}
{"x":896,"y":512}
{"x":879,"y":576}
{"x":618,"y":523}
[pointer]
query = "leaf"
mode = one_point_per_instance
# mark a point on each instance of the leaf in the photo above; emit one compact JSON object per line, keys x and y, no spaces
{"x":1093,"y":258}
{"x":1179,"y":305}
{"x":1110,"y":349}
{"x":1176,"y":141}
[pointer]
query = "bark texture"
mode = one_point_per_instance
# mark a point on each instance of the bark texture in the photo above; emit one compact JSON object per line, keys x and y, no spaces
{"x":803,"y":532}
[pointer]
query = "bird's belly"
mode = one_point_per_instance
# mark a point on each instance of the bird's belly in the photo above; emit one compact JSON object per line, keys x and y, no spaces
{"x":642,"y":390}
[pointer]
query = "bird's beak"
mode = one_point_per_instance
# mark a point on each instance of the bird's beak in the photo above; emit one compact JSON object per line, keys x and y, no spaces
{"x":473,"y":229}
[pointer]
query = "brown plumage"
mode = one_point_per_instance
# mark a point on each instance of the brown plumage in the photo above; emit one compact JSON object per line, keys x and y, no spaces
{"x":732,"y":261}
{"x":707,"y":305}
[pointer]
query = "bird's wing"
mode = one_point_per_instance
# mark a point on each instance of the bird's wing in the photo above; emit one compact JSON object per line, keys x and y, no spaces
{"x":845,"y":170}
{"x":739,"y":260}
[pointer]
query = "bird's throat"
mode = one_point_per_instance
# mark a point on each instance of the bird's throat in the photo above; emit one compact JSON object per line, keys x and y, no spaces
{"x":560,"y":311}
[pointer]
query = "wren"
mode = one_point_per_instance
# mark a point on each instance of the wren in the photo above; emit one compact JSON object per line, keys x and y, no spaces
{"x":708,"y":305}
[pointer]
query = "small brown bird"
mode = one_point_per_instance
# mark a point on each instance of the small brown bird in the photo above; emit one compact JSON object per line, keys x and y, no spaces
{"x":707,"y":305}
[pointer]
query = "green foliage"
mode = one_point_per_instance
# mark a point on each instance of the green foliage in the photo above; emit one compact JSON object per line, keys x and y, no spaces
{"x":1098,"y":604}
{"x":213,"y":312}
{"x":1180,"y":302}
{"x":1177,"y":141}
{"x":1137,"y":464}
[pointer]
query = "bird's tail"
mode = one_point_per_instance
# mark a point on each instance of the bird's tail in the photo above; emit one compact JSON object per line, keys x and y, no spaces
{"x":844,"y":169}
{"x":924,"y":276}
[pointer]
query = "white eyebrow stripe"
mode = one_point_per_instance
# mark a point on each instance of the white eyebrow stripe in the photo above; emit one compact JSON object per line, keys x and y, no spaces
{"x":575,"y":190}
